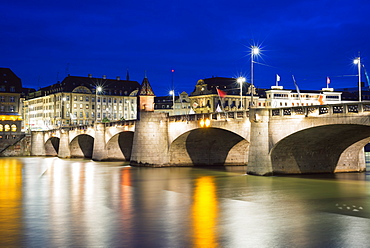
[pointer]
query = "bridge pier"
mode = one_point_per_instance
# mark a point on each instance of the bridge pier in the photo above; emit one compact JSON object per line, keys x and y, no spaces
{"x":64,"y":149}
{"x":100,"y":152}
{"x":37,"y":143}
{"x":259,"y":161}
{"x":150,"y":143}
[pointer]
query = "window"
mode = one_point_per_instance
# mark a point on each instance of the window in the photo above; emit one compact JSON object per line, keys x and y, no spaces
{"x":6,"y":128}
{"x":87,"y":114}
{"x":14,"y":128}
{"x":81,"y":114}
{"x":87,"y":106}
{"x":12,"y":89}
{"x":87,"y":99}
{"x":81,"y":106}
{"x":81,"y":98}
{"x":12,"y":99}
{"x":1,"y":128}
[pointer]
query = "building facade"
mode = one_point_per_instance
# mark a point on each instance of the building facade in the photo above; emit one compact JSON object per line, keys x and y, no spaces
{"x":11,"y":96}
{"x":81,"y":101}
{"x":235,"y":96}
{"x":173,"y":105}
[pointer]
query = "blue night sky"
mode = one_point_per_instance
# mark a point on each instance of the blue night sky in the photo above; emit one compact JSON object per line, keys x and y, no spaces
{"x":43,"y":41}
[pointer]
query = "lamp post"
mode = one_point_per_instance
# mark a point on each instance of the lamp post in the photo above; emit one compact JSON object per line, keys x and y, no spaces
{"x":254,"y":52}
{"x":172,"y":93}
{"x":98,"y":89}
{"x":357,"y":61}
{"x":240,"y":81}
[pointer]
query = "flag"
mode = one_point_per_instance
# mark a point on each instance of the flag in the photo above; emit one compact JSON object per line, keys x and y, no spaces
{"x":327,"y":82}
{"x":321,"y":99}
{"x":221,"y":93}
{"x":277,"y":78}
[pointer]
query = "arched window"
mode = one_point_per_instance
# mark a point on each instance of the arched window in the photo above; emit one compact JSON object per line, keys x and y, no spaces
{"x":1,"y":128}
{"x":14,"y":128}
{"x":6,"y":128}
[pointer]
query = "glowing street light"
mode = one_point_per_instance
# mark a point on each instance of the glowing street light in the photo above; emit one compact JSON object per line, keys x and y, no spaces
{"x":240,"y":81}
{"x":98,"y":90}
{"x":357,"y":61}
{"x":172,"y":93}
{"x":255,"y":51}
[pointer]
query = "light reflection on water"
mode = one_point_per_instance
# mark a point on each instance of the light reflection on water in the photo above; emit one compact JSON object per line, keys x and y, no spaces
{"x":49,"y":202}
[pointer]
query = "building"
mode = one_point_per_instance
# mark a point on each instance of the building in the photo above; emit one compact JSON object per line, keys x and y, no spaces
{"x":11,"y":96}
{"x":81,"y":101}
{"x":218,"y":94}
{"x":277,"y":97}
{"x":238,"y":95}
{"x":174,"y":105}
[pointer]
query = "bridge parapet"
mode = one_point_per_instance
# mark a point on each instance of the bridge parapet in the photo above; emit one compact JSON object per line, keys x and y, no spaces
{"x":211,"y":116}
{"x":321,"y":110}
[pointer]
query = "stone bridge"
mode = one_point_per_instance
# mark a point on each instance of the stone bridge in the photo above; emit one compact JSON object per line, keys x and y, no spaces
{"x":294,"y":140}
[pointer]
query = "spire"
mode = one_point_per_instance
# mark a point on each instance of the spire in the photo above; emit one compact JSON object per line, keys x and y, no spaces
{"x":127,"y":75}
{"x":145,"y":88}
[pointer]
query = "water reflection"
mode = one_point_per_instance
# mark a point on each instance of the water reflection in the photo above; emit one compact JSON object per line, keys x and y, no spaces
{"x":204,"y":213}
{"x":49,"y":202}
{"x":10,"y":200}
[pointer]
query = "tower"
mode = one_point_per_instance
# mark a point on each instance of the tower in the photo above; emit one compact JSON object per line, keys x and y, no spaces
{"x":145,"y":97}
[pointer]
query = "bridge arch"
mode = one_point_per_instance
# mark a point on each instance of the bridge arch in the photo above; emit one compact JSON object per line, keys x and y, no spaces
{"x":81,"y":146}
{"x":209,"y":147}
{"x":119,"y":146}
{"x":52,"y":146}
{"x":320,"y":149}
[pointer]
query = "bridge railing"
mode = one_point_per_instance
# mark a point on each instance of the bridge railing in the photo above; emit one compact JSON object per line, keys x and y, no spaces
{"x":211,"y":116}
{"x":317,"y":110}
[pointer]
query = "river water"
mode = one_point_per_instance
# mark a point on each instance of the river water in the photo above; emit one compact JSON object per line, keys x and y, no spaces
{"x":50,"y":202}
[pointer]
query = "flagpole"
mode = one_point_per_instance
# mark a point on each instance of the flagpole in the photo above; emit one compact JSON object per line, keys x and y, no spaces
{"x":299,"y":93}
{"x":222,"y":106}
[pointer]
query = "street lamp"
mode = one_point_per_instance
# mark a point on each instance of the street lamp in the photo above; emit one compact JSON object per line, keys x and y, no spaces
{"x":240,"y":81}
{"x":357,"y":61}
{"x":172,"y":93}
{"x":255,"y":50}
{"x":98,"y":89}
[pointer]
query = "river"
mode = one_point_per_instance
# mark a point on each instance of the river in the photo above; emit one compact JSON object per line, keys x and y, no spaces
{"x":51,"y":202}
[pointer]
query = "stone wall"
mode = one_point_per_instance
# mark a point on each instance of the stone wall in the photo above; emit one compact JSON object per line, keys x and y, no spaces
{"x":19,"y":149}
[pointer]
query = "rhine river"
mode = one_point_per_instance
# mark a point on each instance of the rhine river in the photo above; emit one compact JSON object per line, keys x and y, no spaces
{"x":50,"y":202}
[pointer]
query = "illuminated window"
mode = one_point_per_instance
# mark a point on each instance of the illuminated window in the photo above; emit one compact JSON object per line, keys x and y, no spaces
{"x":7,"y":128}
{"x":14,"y":128}
{"x":1,"y":128}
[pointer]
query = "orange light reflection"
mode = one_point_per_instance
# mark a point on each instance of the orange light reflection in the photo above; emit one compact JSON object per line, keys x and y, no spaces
{"x":204,"y":213}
